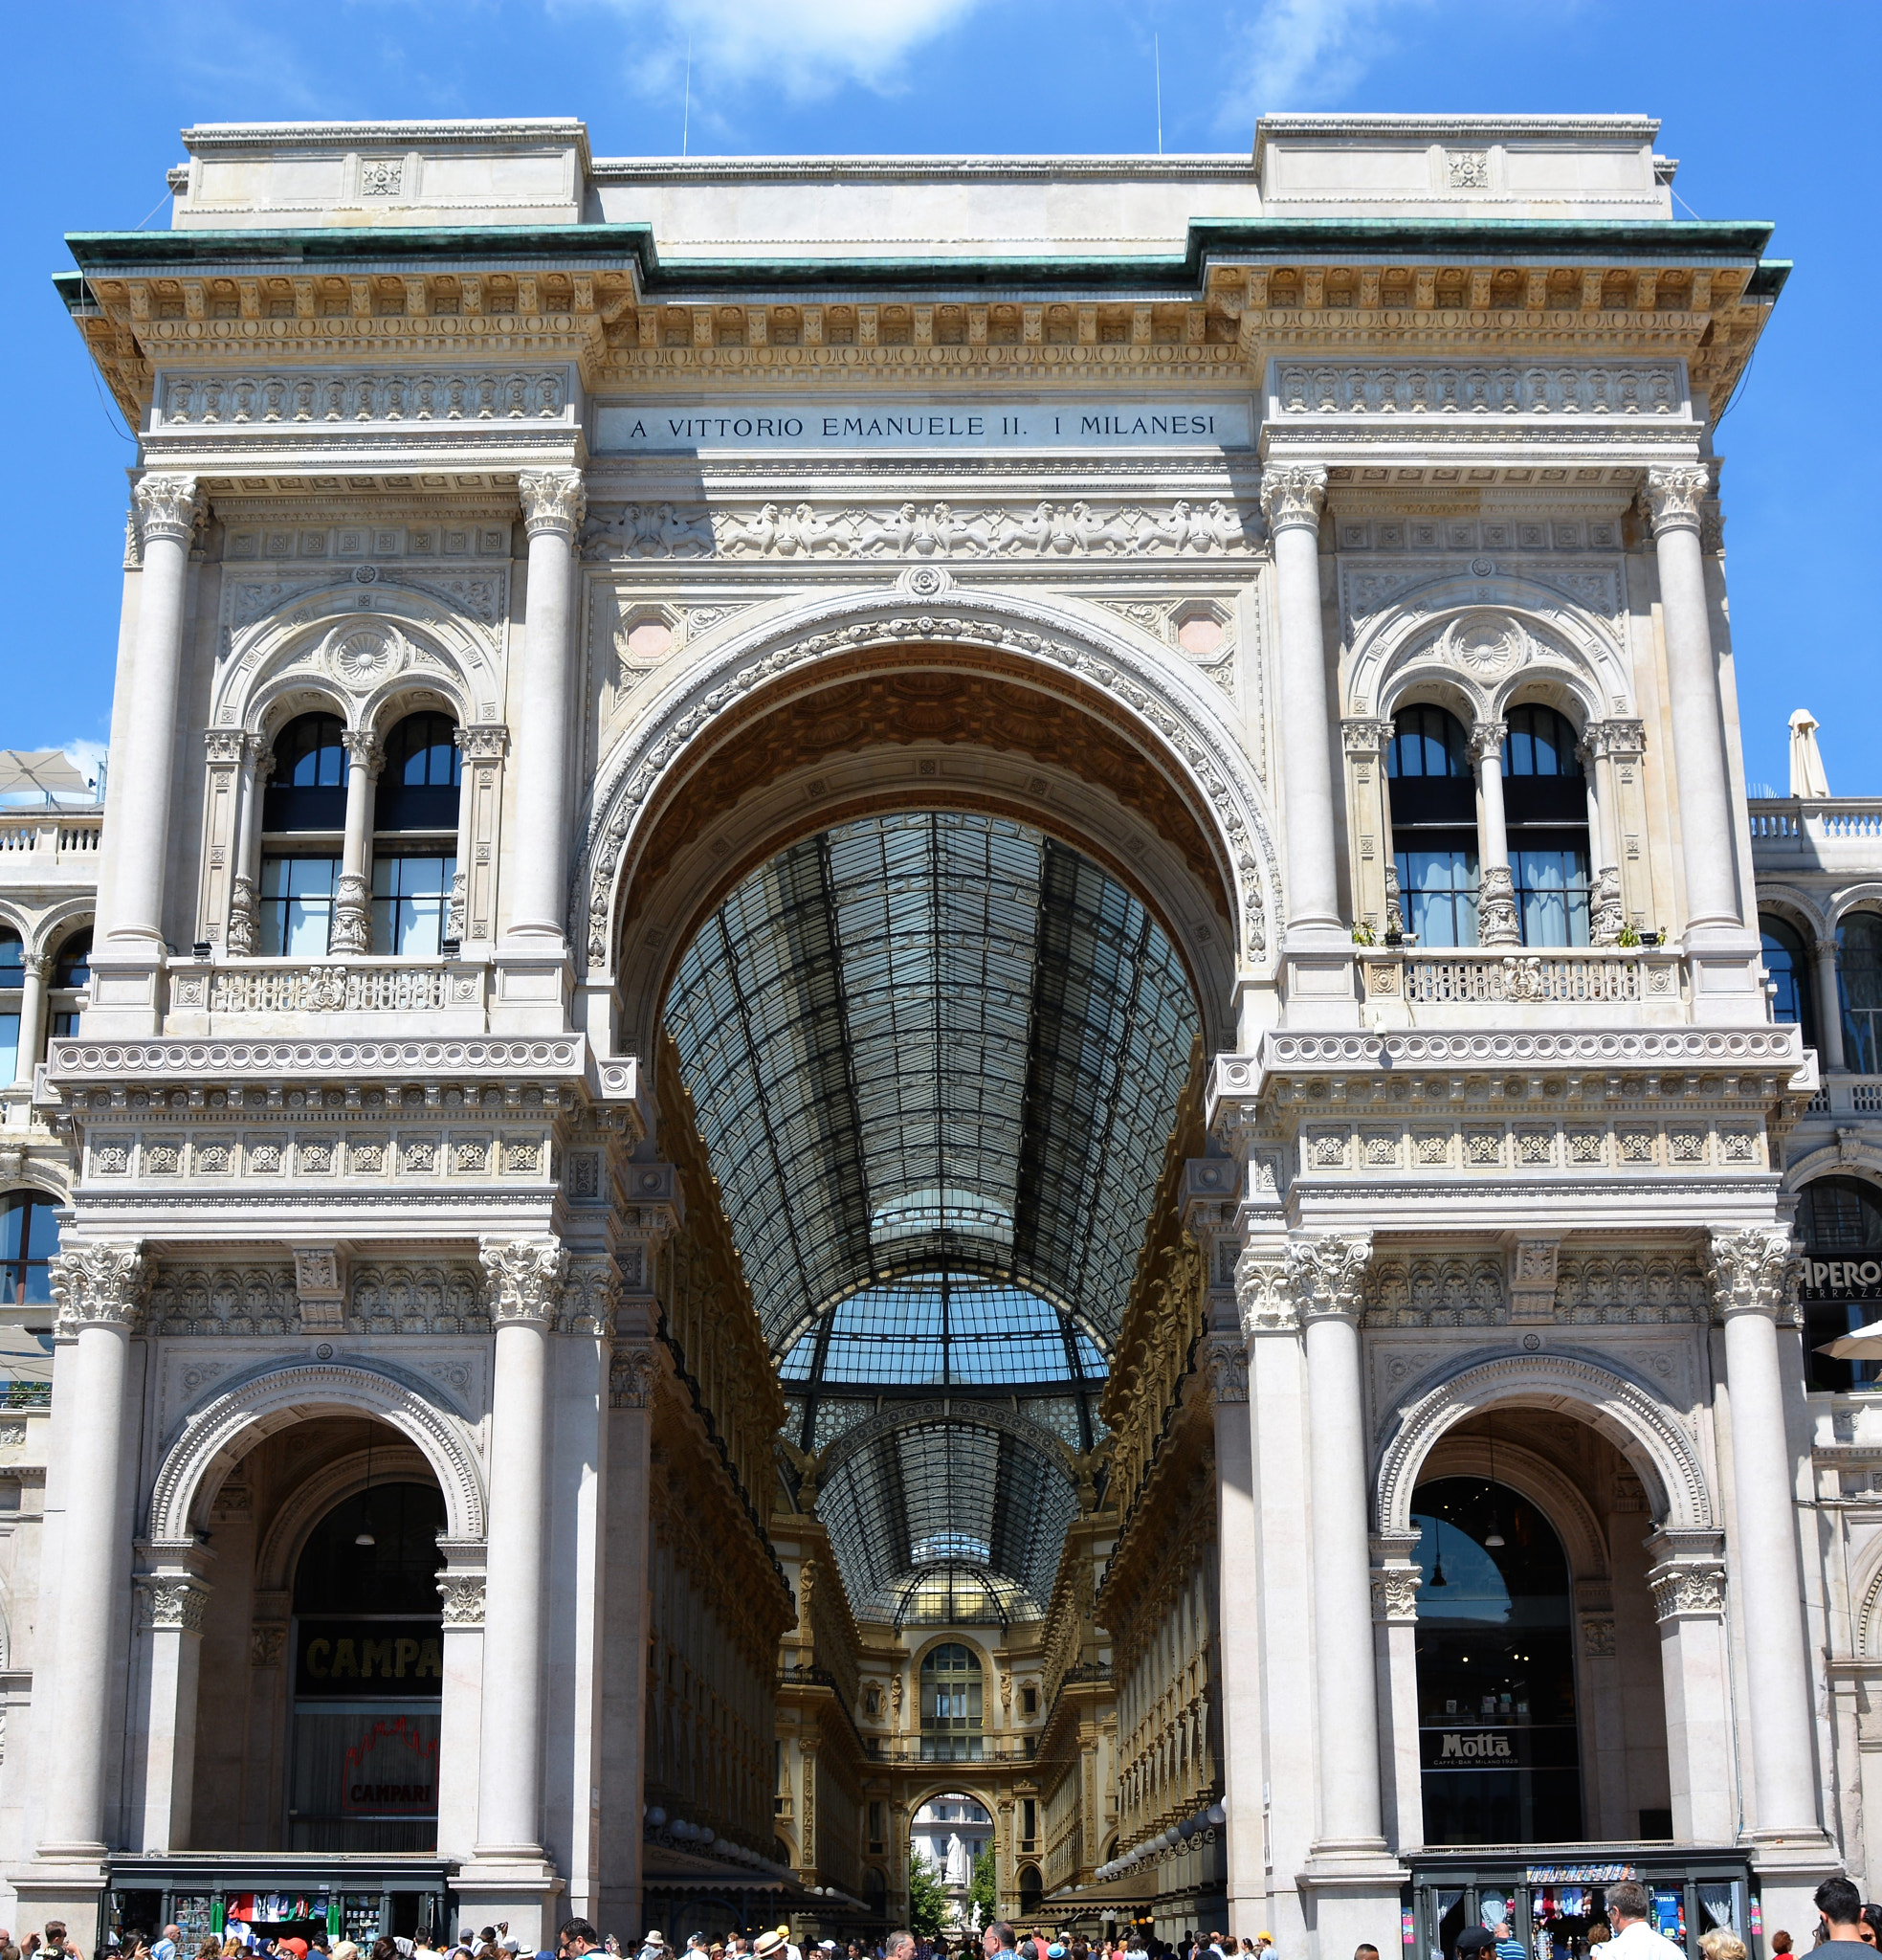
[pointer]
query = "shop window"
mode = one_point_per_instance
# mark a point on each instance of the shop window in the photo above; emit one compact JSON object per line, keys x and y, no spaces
{"x":1434,"y":834}
{"x":1840,"y":1284}
{"x":368,"y":1674}
{"x":1546,"y":809}
{"x":1496,"y":1719}
{"x":28,"y":1237}
{"x":296,"y":904}
{"x":951,"y":1697}
{"x":1859,"y":962}
{"x":1787,"y":967}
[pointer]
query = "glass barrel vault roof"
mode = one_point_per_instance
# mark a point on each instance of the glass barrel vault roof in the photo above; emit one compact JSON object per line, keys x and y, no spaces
{"x":935,"y":1059}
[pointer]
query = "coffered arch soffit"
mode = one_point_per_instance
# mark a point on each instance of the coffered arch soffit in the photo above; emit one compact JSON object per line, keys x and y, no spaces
{"x":1639,"y":1421}
{"x":716,"y":843}
{"x":1489,"y":641}
{"x":1161,"y":715}
{"x":408,"y":650}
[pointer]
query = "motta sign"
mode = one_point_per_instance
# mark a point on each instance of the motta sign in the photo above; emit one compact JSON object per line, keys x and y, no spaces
{"x":873,"y":428}
{"x":1840,"y":1279}
{"x":1479,"y":1745}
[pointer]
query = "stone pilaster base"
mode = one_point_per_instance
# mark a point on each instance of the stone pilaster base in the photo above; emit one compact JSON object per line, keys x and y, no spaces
{"x":520,"y":1886}
{"x":67,"y":1882}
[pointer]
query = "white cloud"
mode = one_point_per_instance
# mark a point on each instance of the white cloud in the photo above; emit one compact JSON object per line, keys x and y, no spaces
{"x":85,"y":756}
{"x":805,"y":48}
{"x":1309,"y":53}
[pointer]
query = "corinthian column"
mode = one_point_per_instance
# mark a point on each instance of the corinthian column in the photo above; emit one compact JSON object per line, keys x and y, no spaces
{"x":353,"y":907}
{"x":31,"y":1017}
{"x":553,"y":502}
{"x":100,"y":1289}
{"x":1325,"y":1277}
{"x":168,"y":509}
{"x":1496,"y":905}
{"x":1754,"y":1276}
{"x":525,"y":1276}
{"x":1291,"y":495}
{"x":1706,"y":825}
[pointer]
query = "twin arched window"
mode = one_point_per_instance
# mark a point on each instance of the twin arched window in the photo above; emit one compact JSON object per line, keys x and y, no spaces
{"x":414,"y":848}
{"x":1438,"y":839}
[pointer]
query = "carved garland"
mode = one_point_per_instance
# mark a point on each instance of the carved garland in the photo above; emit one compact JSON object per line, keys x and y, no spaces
{"x":846,"y":627}
{"x":1649,"y":1420}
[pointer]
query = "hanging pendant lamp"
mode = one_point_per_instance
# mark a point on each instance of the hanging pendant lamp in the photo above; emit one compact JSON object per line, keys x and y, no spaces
{"x":364,"y":1535}
{"x":1494,"y":1542}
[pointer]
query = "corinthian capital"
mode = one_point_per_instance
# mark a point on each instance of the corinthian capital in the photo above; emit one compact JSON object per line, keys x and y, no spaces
{"x":524,"y":1277}
{"x":1753,"y":1270}
{"x":168,"y":507}
{"x":1292,"y":494}
{"x":1326,"y":1275}
{"x":1674,"y":492}
{"x":99,"y":1285}
{"x":363,"y":749}
{"x":552,"y":500}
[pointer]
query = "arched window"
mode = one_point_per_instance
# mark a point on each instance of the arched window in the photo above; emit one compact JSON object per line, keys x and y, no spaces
{"x":951,"y":1705}
{"x":305,"y":801}
{"x":1859,"y":962}
{"x":1434,"y":833}
{"x":1545,"y":807}
{"x":71,"y":975}
{"x":415,"y":842}
{"x":12,"y":978}
{"x":1839,"y":1221}
{"x":368,"y":1673}
{"x":1495,"y":1669}
{"x":1788,"y":966}
{"x":28,"y":1237}
{"x":1031,"y":1891}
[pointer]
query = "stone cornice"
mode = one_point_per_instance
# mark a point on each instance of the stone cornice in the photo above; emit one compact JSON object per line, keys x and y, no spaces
{"x":1240,"y":290}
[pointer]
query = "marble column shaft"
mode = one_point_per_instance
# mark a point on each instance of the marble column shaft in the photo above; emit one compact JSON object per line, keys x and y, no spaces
{"x":1291,"y":498}
{"x":1707,"y":824}
{"x":553,"y":502}
{"x":168,"y":508}
{"x":32,"y":1016}
{"x":1830,"y":1003}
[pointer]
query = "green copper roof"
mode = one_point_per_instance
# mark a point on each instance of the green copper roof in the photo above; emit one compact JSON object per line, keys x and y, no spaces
{"x":1465,"y":240}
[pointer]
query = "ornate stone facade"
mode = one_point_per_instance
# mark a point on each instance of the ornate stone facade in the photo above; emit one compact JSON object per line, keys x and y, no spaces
{"x":1169,"y":568}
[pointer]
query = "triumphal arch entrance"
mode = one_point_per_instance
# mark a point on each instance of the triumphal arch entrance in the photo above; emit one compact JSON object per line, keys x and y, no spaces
{"x":923,"y":1061}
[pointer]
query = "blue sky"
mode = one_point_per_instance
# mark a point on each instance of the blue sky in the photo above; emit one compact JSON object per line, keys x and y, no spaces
{"x":1772,"y":109}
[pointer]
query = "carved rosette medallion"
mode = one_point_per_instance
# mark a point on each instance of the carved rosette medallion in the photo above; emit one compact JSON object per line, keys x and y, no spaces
{"x":361,"y":657}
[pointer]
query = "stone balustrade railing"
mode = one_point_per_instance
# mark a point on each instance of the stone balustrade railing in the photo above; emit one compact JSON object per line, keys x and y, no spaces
{"x":315,"y":986}
{"x":52,"y":836}
{"x":1564,"y":977}
{"x":1797,"y":831}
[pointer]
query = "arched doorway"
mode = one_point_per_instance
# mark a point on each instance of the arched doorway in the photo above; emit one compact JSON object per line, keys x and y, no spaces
{"x":950,"y":1832}
{"x":1496,"y":1702}
{"x":369,"y":1675}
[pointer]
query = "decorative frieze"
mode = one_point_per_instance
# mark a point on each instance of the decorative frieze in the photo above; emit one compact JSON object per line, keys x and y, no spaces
{"x":802,"y":531}
{"x":1453,"y":1139}
{"x":1576,"y":392}
{"x":245,"y":400}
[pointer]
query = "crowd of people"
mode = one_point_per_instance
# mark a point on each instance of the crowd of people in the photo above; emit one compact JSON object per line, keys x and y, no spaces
{"x":1847,"y":1929}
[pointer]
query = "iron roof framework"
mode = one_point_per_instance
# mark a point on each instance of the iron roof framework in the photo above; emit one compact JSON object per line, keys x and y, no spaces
{"x":935,"y":1058}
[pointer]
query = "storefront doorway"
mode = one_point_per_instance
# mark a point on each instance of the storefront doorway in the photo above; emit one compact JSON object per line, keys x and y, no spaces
{"x":1499,"y":1750}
